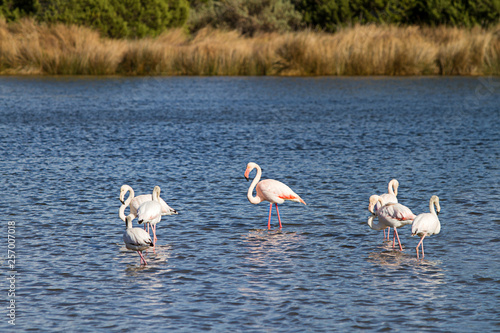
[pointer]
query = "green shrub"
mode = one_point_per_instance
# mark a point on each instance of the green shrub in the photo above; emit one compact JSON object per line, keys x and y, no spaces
{"x":118,"y":18}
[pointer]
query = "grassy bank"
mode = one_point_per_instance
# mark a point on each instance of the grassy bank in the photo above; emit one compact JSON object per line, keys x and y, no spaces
{"x":30,"y":48}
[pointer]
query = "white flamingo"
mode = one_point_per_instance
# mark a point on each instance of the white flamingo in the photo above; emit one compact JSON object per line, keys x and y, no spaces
{"x":136,"y":201}
{"x":151,"y":211}
{"x":135,"y":239}
{"x":427,"y":224}
{"x":389,"y":197}
{"x":393,"y":215}
{"x":270,"y":190}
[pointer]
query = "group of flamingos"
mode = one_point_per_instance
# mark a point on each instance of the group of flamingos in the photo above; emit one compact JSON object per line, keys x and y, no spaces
{"x":149,"y":208}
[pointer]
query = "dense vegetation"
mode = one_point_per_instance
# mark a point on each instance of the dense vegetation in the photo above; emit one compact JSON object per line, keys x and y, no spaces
{"x":139,"y":18}
{"x":113,"y":18}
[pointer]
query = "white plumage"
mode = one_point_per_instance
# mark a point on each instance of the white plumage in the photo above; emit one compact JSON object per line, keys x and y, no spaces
{"x":427,"y":224}
{"x":135,"y":202}
{"x":392,"y":215}
{"x":151,"y":211}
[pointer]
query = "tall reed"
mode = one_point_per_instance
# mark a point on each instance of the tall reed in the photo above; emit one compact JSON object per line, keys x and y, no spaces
{"x":30,"y":48}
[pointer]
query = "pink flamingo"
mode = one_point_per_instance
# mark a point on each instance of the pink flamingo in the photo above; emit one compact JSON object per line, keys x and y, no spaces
{"x":392,"y":215}
{"x":390,"y":197}
{"x":427,"y":224}
{"x":270,"y":190}
{"x":151,"y":212}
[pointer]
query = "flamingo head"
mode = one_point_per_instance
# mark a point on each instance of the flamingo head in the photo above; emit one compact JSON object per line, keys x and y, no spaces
{"x":435,"y":200}
{"x":393,"y":185}
{"x":373,"y":201}
{"x":250,"y":167}
{"x":156,"y":193}
{"x":123,"y":191}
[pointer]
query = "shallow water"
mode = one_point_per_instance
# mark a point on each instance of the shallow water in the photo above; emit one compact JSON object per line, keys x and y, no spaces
{"x":69,"y":144}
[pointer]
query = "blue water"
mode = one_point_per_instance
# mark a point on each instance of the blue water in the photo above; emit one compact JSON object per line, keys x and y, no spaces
{"x":68,"y":144}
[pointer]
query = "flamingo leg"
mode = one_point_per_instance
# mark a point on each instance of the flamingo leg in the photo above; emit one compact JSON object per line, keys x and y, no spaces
{"x":279,"y":219}
{"x":388,"y":233}
{"x":421,"y":243}
{"x":399,"y":242}
{"x":142,"y":258}
{"x":269,"y":220}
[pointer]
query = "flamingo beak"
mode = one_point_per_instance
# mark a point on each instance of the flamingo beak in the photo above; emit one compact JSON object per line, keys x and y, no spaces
{"x":123,"y":202}
{"x":247,"y":178}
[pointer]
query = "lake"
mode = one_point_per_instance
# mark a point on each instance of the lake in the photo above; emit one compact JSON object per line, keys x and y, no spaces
{"x":68,"y":144}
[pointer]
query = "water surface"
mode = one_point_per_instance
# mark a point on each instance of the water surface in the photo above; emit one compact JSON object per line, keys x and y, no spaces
{"x":69,"y":144}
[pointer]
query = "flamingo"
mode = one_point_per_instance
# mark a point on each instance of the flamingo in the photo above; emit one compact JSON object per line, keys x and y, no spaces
{"x":151,"y":211}
{"x":135,"y":239}
{"x":427,"y":224}
{"x":136,"y":202}
{"x":392,"y":215}
{"x":270,"y":190}
{"x":389,"y":197}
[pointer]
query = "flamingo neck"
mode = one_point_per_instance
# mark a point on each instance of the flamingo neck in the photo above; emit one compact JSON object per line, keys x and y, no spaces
{"x":393,"y":187}
{"x":432,"y":203}
{"x":127,"y":189}
{"x":121,"y":212}
{"x":128,"y":222}
{"x":377,"y":225}
{"x":251,"y":198}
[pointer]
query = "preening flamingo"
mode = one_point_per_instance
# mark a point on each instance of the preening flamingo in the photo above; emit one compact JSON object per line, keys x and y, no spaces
{"x":270,"y":190}
{"x":135,"y":239}
{"x":389,"y":197}
{"x":136,"y":202}
{"x":151,"y":211}
{"x":392,"y":215}
{"x":427,"y":224}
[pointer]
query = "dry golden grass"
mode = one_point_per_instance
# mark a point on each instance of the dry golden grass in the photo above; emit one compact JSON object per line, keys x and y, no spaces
{"x":30,"y":48}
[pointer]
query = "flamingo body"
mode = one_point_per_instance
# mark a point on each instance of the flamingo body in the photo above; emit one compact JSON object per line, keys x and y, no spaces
{"x":136,"y":239}
{"x":392,"y":215}
{"x":269,"y":190}
{"x":390,"y":196}
{"x":151,"y":211}
{"x":427,"y":224}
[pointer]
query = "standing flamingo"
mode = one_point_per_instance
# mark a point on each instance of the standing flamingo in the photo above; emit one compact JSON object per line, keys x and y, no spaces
{"x":135,"y":239}
{"x":151,"y":211}
{"x":392,"y":215}
{"x":270,"y":190}
{"x":390,"y":197}
{"x":136,"y":202}
{"x":427,"y":224}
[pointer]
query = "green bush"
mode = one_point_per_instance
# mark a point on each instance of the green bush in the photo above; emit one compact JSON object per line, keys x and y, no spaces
{"x":330,"y":15}
{"x":117,"y":18}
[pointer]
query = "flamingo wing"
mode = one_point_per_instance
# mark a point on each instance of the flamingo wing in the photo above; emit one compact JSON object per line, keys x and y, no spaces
{"x":137,"y":239}
{"x":149,"y":212}
{"x":426,"y":223}
{"x":276,"y":192}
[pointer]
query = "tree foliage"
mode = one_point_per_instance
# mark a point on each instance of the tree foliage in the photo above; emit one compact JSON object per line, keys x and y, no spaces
{"x":329,"y":15}
{"x":113,"y":18}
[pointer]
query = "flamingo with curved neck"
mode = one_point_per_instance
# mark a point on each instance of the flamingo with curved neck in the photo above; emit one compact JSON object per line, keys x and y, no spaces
{"x":151,"y":211}
{"x":135,"y":239}
{"x":136,"y":201}
{"x":269,"y":190}
{"x":390,"y":196}
{"x":427,"y":224}
{"x":392,"y":215}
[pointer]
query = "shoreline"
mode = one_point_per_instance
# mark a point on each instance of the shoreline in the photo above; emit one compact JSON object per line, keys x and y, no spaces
{"x":31,"y":49}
